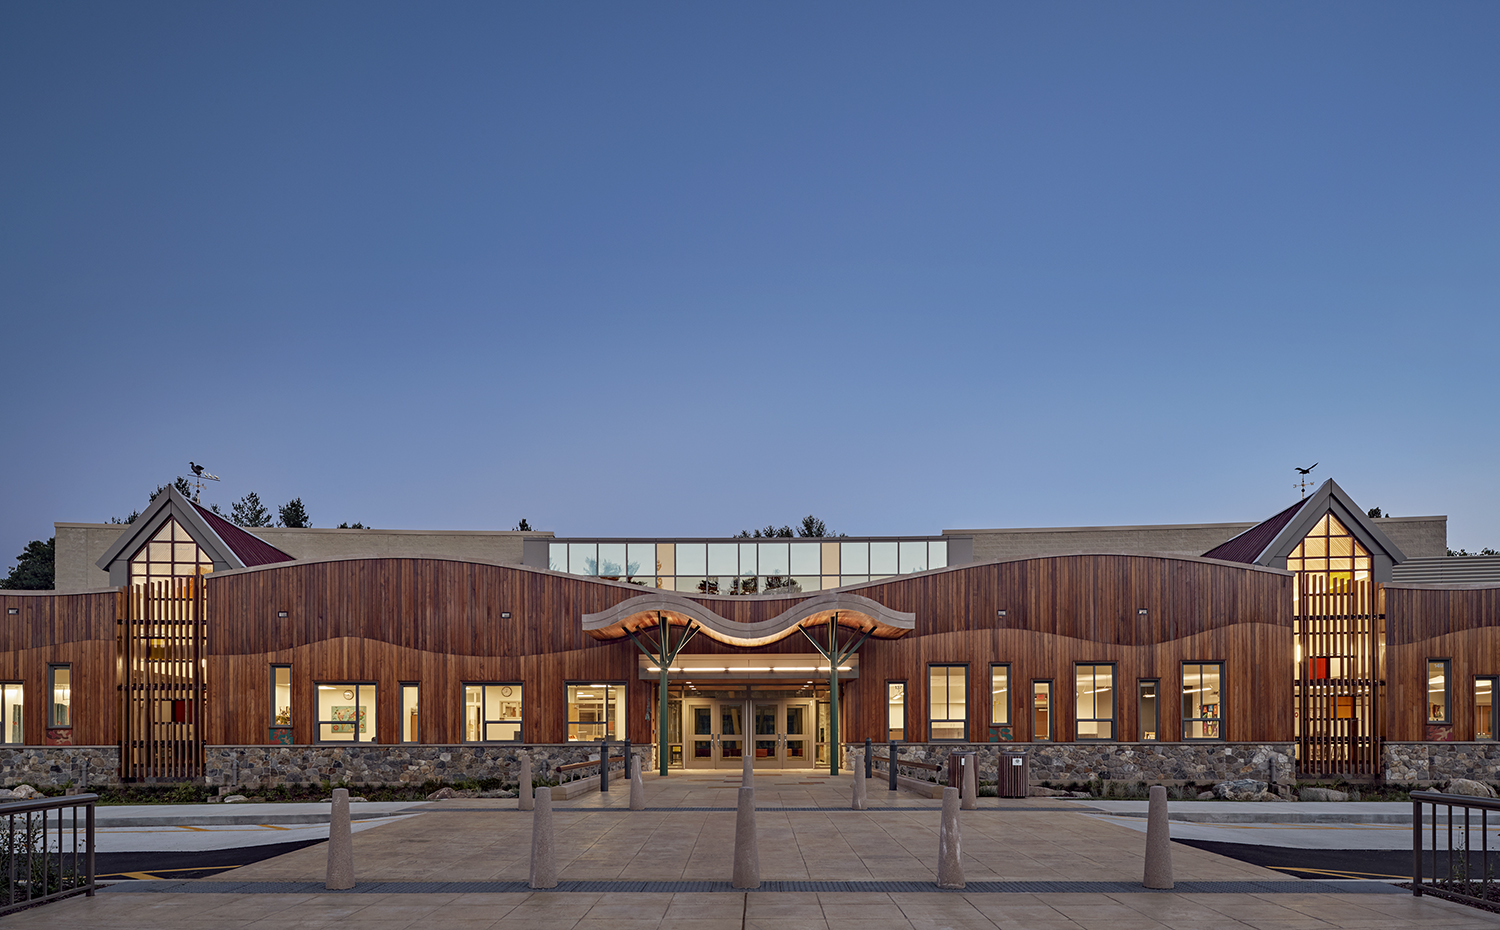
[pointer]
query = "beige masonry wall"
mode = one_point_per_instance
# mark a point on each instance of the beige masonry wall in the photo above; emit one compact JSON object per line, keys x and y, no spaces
{"x":1417,"y":537}
{"x":81,"y":545}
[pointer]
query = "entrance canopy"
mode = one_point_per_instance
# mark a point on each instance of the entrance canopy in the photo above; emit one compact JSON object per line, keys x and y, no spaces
{"x":853,"y":611}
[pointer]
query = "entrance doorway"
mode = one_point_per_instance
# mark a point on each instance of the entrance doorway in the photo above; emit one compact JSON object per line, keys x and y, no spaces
{"x":776,"y":730}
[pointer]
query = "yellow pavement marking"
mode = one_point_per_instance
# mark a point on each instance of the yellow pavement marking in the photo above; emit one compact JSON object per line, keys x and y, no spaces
{"x":151,"y":876}
{"x":1342,"y":872}
{"x":272,"y":826}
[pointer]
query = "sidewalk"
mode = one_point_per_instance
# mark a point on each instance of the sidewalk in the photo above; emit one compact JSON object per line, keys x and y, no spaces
{"x":1084,"y":873}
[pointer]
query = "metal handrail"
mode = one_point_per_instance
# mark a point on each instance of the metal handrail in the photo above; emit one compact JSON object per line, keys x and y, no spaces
{"x":31,"y":873}
{"x":1458,"y":883}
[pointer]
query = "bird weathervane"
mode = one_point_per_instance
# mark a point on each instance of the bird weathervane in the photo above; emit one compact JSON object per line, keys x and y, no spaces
{"x":200,"y":476}
{"x":1304,"y":484}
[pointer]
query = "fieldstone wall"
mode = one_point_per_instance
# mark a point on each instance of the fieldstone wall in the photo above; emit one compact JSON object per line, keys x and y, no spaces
{"x":58,"y":766}
{"x":1440,"y":763}
{"x":1156,"y":763}
{"x":268,"y":766}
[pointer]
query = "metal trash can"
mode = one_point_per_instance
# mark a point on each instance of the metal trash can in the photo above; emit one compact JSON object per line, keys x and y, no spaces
{"x":1015,"y":775}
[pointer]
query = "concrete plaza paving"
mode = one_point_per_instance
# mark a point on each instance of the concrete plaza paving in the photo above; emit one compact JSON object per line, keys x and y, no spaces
{"x":686,"y":835}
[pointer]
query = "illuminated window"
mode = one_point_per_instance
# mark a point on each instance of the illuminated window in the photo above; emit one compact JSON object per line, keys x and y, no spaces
{"x":1202,"y":700}
{"x":1000,"y":695}
{"x":1094,"y":696}
{"x":346,"y":713}
{"x":281,"y":701}
{"x":11,"y":707}
{"x":895,"y":702}
{"x":1332,"y":553}
{"x":947,"y":694}
{"x":411,"y":712}
{"x":492,"y":712}
{"x":1437,"y":691}
{"x":1148,"y":692}
{"x":1484,"y":707}
{"x":596,"y":712}
{"x":170,"y":553}
{"x":60,"y":684}
{"x":1041,"y":711}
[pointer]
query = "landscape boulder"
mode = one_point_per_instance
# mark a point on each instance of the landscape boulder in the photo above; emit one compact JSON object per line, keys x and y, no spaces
{"x":236,"y":799}
{"x":1241,"y":789}
{"x":1470,"y":788}
{"x":443,"y":794}
{"x":1322,"y":794}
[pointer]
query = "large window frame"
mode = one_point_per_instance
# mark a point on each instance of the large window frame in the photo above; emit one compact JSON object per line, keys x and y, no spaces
{"x":60,"y":696}
{"x":896,"y":703}
{"x":280,"y":730}
{"x":492,"y":708}
{"x":170,"y":553}
{"x":364,"y":694}
{"x":615,"y":706}
{"x":1485,"y":688}
{"x":1210,"y":721}
{"x":947,"y":724}
{"x":409,"y":712}
{"x":1444,"y":710}
{"x":13,"y":713}
{"x":1148,"y":730}
{"x":1089,"y":699}
{"x":1000,"y":726}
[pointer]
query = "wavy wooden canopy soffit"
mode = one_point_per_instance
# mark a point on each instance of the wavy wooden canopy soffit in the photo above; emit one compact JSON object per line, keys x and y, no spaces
{"x":853,"y":611}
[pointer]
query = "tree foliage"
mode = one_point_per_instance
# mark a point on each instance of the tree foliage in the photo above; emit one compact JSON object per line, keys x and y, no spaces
{"x":293,"y":514}
{"x":523,"y":526}
{"x":35,"y":568}
{"x":810,"y":526}
{"x":183,"y":486}
{"x":351,"y":526}
{"x":1464,"y":553}
{"x":1374,"y":512}
{"x":249,"y":511}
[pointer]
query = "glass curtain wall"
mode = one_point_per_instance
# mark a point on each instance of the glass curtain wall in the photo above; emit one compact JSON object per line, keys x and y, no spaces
{"x":747,"y":568}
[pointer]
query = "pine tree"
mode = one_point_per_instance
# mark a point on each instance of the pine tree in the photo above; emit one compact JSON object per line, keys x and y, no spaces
{"x":293,"y":514}
{"x":249,"y":511}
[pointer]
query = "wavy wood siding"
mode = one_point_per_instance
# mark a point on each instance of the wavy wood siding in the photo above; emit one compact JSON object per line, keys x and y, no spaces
{"x":62,"y":629}
{"x":1461,"y":624}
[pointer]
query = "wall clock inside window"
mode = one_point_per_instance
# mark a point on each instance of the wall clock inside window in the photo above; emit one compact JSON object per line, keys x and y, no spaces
{"x":506,"y":691}
{"x":348,"y":695}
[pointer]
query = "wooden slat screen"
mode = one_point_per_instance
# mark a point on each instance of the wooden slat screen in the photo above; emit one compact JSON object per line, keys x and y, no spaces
{"x":161,"y":651}
{"x":1340,"y":681}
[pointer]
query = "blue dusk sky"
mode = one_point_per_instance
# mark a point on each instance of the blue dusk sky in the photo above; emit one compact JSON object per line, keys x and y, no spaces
{"x":684,"y":269}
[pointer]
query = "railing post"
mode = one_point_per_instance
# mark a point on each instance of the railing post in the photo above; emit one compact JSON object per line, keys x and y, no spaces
{"x":869,"y":759}
{"x":892,"y":746}
{"x":627,"y":769}
{"x":604,"y":763}
{"x":1416,"y":848}
{"x":89,"y":848}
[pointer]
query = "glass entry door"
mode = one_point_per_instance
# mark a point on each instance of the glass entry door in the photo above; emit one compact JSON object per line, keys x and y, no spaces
{"x":781,"y":734}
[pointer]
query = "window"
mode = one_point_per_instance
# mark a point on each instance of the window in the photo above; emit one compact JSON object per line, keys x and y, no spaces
{"x":1484,"y":707}
{"x":346,"y":712}
{"x":1041,"y":711}
{"x":895,"y":702}
{"x":492,"y":711}
{"x":170,"y":553}
{"x":59,"y":685}
{"x":1202,"y":700}
{"x":1148,"y":708}
{"x":1094,"y":696}
{"x":1437,"y":691}
{"x":948,"y":690}
{"x":596,"y":712}
{"x":411,"y":714}
{"x":1330,"y":553}
{"x":1000,"y":695}
{"x":281,"y":695}
{"x":11,"y":705}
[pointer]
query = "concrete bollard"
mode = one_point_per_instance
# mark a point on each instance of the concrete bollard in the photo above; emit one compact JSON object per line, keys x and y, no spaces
{"x":859,"y":803}
{"x":340,"y":844}
{"x":543,"y":850}
{"x":746,"y":846}
{"x":1158,"y":841}
{"x":971,"y":783}
{"x":950,"y":858}
{"x":637,"y":786}
{"x":747,"y":771}
{"x":524,"y":789}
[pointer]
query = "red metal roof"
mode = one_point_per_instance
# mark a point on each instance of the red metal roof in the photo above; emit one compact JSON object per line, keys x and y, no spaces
{"x":1251,"y":543}
{"x":251,"y":549}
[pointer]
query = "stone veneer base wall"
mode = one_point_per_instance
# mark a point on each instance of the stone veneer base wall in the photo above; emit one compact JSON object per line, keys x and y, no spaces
{"x":269,"y":766}
{"x":1157,"y":763}
{"x":1439,"y":763}
{"x":57,"y":766}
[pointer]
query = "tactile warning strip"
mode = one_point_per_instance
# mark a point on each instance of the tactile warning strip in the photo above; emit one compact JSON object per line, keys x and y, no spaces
{"x":1288,"y":886}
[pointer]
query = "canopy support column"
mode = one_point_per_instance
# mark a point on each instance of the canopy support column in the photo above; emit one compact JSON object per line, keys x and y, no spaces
{"x":835,"y":656}
{"x":663,"y":653}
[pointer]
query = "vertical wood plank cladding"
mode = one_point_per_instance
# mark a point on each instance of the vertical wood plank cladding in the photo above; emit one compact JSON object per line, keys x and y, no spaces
{"x":1461,"y":624}
{"x":62,"y":629}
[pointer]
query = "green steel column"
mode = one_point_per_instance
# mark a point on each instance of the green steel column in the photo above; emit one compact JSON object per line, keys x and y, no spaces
{"x":833,"y":694}
{"x":661,"y":710}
